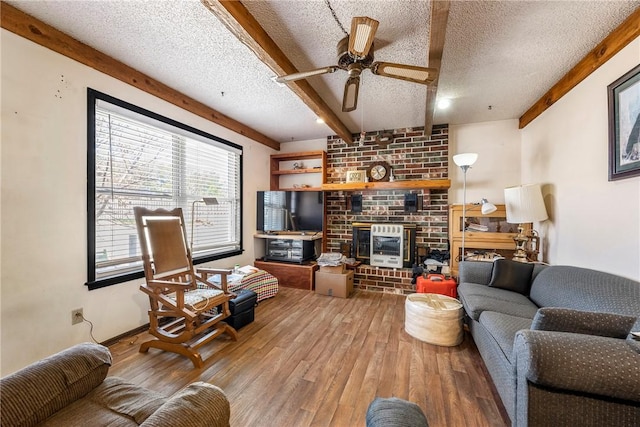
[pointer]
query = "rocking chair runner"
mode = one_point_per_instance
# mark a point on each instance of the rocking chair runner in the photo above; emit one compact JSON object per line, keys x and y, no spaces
{"x":183,"y":316}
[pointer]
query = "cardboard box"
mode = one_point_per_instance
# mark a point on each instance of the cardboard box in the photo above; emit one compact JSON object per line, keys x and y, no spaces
{"x":338,"y":269}
{"x":336,"y":285}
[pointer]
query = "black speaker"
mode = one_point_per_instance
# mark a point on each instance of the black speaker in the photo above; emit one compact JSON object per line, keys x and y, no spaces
{"x":356,"y":203}
{"x":411,"y":202}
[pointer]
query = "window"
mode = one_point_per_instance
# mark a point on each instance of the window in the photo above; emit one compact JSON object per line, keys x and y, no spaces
{"x":138,"y":158}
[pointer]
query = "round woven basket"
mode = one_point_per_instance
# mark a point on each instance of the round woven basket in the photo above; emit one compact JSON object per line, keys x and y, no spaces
{"x":434,"y":318}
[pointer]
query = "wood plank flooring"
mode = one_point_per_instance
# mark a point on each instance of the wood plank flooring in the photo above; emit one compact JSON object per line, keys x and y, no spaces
{"x":313,"y":360}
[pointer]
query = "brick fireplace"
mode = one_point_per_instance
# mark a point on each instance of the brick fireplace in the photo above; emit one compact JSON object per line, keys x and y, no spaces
{"x":412,"y":156}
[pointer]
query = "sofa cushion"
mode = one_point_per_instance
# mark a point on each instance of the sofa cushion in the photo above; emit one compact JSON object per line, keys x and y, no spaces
{"x":587,"y":290}
{"x":478,"y":298}
{"x":36,"y":392}
{"x":114,"y":402}
{"x":583,"y":322}
{"x":503,"y":328}
{"x":511,"y":275}
{"x":199,"y":405}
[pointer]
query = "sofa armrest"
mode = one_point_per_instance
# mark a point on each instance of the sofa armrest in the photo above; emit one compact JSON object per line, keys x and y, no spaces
{"x":580,"y":363}
{"x":198,"y":405}
{"x":475,"y":272}
{"x":36,"y":392}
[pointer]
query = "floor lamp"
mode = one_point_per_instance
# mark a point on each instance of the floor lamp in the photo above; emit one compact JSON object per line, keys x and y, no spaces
{"x":464,"y":160}
{"x":208,"y":201}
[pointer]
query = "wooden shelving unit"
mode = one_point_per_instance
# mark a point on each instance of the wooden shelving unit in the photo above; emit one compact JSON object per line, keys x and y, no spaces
{"x":498,"y":238}
{"x":282,"y":165}
{"x":434,"y":184}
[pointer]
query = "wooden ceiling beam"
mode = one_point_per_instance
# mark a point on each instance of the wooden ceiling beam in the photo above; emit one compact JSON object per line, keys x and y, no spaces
{"x":626,"y":32}
{"x":437,"y":29}
{"x":246,"y":28}
{"x":26,"y":26}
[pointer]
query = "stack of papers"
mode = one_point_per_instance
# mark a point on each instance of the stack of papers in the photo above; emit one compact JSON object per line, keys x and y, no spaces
{"x":477,"y":227}
{"x":248,"y":269}
{"x":330,"y":259}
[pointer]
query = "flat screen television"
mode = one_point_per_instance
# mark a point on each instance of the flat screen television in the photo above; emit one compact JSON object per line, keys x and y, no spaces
{"x":290,"y":211}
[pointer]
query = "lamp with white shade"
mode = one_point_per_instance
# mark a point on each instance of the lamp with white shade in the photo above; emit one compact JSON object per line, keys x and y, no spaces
{"x":524,"y":204}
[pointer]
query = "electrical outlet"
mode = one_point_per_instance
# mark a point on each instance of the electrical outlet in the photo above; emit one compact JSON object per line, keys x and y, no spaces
{"x":76,"y":316}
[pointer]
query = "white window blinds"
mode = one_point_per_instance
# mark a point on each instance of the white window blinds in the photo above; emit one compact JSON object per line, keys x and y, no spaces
{"x":140,"y":161}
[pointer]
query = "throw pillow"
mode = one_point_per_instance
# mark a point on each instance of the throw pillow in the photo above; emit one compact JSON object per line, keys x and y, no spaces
{"x":583,"y":322}
{"x":511,"y":275}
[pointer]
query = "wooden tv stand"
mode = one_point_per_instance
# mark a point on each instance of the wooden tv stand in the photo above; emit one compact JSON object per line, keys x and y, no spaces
{"x":300,"y":276}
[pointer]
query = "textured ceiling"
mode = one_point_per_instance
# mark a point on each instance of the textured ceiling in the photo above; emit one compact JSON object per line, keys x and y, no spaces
{"x":503,"y":54}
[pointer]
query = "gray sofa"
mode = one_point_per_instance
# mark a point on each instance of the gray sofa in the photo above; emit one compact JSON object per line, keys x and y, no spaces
{"x":71,"y":388}
{"x":557,"y":345}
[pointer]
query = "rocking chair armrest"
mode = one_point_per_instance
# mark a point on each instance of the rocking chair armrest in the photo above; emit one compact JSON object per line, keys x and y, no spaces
{"x":205,"y":272}
{"x":167,"y":284}
{"x":208,"y":271}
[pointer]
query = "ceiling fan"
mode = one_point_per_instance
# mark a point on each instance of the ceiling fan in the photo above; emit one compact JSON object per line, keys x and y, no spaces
{"x":355,"y":53}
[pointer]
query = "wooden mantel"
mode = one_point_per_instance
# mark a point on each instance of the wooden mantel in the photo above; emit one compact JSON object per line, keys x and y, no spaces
{"x":430,"y":184}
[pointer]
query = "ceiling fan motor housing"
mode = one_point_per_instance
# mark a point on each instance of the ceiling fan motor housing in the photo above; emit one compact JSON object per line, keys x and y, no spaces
{"x":345,"y":58}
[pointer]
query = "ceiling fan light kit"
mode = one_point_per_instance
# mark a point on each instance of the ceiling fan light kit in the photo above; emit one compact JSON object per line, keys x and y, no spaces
{"x":355,"y":53}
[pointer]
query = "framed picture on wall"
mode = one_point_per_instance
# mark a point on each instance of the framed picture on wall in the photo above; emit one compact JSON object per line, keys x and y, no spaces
{"x":624,"y":126}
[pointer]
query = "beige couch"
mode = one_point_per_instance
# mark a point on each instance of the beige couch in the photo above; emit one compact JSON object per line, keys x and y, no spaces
{"x":71,"y":388}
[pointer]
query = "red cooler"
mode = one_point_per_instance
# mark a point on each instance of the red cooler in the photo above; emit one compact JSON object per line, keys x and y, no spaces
{"x":436,"y":284}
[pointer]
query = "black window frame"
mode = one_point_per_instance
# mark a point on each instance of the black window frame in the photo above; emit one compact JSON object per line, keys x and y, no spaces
{"x":92,"y":96}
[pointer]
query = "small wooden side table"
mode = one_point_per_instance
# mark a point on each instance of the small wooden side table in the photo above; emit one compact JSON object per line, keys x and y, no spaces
{"x":290,"y":275}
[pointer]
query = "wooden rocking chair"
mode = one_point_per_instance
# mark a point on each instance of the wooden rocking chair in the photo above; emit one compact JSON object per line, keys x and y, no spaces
{"x":186,"y":311}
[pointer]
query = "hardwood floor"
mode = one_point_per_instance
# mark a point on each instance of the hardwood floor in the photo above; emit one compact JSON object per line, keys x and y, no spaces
{"x":313,"y":360}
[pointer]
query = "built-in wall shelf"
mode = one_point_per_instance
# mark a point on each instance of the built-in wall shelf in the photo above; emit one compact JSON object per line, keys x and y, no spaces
{"x":299,"y":189}
{"x":304,"y":171}
{"x":294,"y":171}
{"x":432,"y":184}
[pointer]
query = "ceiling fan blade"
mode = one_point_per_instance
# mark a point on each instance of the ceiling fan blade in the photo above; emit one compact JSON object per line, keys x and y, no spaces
{"x":410,"y":73}
{"x":350,"y":97}
{"x":363,"y":29}
{"x":305,"y":74}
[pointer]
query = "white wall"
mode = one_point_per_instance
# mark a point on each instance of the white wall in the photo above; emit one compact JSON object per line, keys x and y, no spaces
{"x":593,"y":223}
{"x":43,"y":200}
{"x":300,"y":146}
{"x":498,"y":166}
